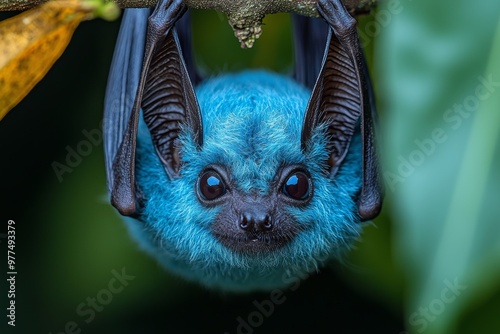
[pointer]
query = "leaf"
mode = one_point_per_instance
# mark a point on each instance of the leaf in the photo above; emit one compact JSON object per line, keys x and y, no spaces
{"x":442,"y":128}
{"x":32,"y":41}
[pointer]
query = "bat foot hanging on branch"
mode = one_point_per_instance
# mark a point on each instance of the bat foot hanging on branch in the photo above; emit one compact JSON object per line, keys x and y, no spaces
{"x":244,"y":16}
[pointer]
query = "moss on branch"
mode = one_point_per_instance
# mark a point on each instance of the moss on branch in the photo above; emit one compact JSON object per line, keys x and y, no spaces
{"x":244,"y":16}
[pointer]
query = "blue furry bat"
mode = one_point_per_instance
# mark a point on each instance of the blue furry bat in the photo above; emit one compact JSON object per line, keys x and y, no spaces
{"x":252,"y":177}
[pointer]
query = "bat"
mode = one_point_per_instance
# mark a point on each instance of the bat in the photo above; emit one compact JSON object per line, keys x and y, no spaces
{"x":246,"y":180}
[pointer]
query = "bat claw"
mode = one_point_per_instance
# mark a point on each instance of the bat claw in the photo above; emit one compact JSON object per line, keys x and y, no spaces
{"x":337,"y":16}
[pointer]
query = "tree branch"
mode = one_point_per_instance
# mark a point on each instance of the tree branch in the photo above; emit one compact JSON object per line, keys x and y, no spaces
{"x":304,"y":7}
{"x":243,"y":15}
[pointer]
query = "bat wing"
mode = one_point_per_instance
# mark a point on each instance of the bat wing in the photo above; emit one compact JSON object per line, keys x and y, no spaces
{"x":310,"y":35}
{"x":164,"y":93}
{"x":183,"y":29}
{"x":342,"y":95}
{"x":122,"y":83}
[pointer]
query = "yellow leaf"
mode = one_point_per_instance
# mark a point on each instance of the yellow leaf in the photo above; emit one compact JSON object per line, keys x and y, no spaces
{"x":31,"y":42}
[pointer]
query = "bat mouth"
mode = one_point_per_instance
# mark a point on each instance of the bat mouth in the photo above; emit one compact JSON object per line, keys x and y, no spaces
{"x":255,"y":242}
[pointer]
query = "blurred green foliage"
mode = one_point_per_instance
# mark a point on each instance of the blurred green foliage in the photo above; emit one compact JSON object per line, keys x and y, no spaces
{"x":441,"y":92}
{"x":439,"y":228}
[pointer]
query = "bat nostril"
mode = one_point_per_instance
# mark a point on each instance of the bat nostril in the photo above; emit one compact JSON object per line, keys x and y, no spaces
{"x":253,"y":221}
{"x":267,"y":223}
{"x":250,"y":222}
{"x":246,"y":222}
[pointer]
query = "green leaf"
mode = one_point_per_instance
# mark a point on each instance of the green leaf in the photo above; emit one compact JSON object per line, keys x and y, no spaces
{"x":441,"y":89}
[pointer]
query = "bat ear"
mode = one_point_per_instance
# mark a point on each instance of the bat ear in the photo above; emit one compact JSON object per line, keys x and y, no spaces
{"x":166,"y":96}
{"x":169,"y":103}
{"x":335,"y":101}
{"x":341,"y":98}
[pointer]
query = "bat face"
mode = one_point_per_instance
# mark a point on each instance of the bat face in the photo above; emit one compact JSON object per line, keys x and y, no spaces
{"x":253,"y":179}
{"x":250,"y":204}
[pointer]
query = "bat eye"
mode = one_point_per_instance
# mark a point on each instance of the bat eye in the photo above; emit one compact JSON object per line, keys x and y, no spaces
{"x":297,"y":186}
{"x":211,"y":185}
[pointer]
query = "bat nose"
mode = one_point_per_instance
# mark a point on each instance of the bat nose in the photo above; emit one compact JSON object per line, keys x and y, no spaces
{"x":255,"y":220}
{"x":254,"y":226}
